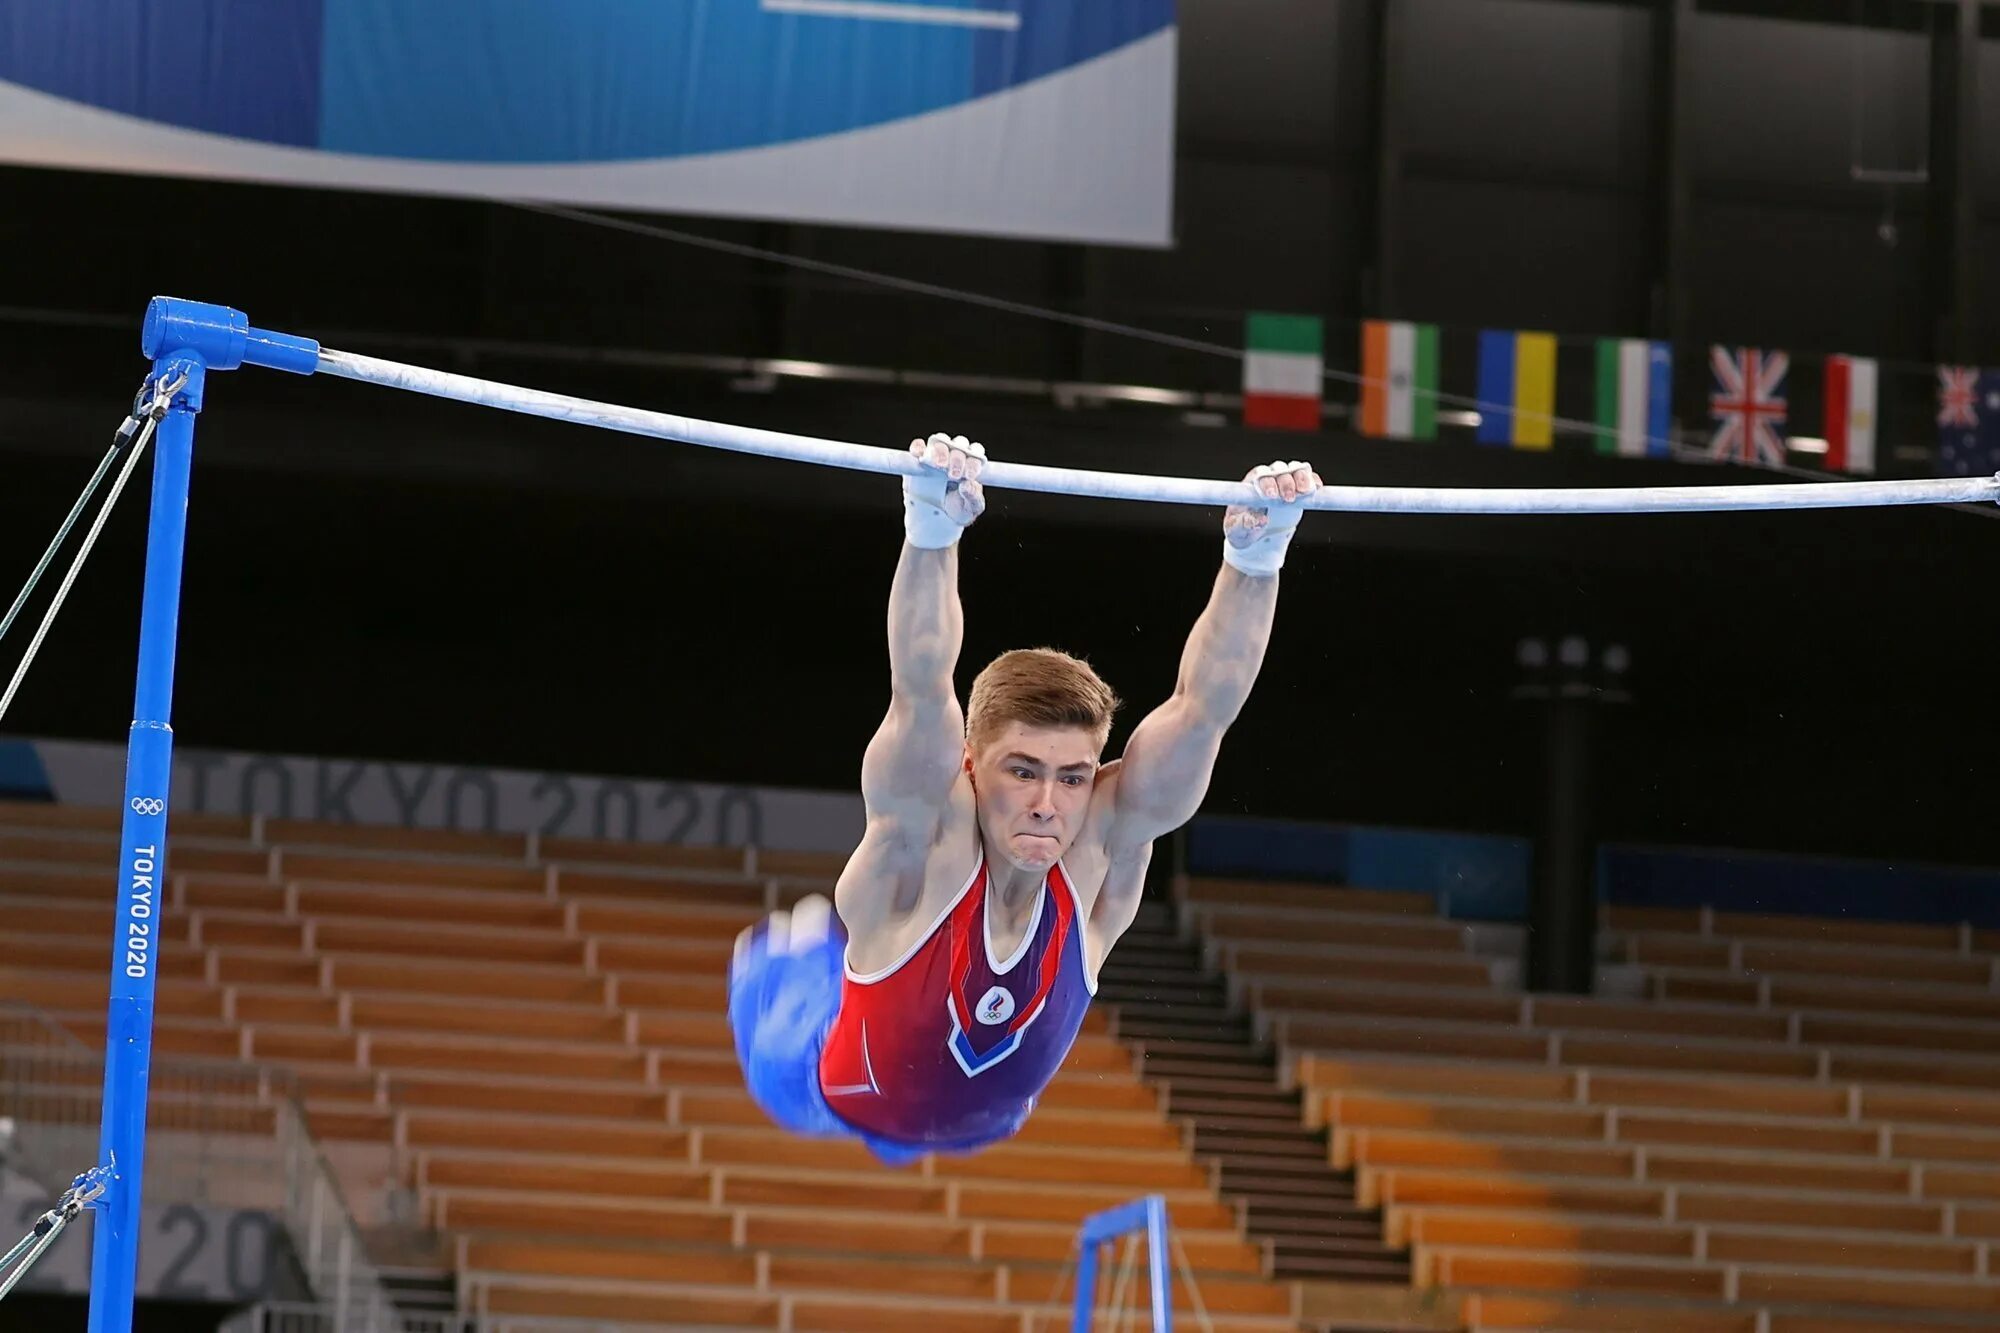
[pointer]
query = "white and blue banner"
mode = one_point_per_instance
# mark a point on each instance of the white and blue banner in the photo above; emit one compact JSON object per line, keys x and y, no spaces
{"x":392,"y":794}
{"x":1032,"y":118}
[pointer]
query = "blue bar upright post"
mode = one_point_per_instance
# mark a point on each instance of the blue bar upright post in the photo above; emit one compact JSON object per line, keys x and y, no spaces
{"x":184,"y":341}
{"x":1157,"y":1264}
{"x":1149,"y":1215}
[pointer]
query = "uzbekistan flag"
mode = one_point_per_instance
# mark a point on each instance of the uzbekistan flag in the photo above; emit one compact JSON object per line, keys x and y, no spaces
{"x":1399,"y":378}
{"x":1284,"y":367}
{"x":1850,"y":413}
{"x":1517,"y":388}
{"x":1635,"y":397}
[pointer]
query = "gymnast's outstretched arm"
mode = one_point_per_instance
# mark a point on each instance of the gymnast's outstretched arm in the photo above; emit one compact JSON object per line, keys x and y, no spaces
{"x":1171,"y":756}
{"x":915,"y":757}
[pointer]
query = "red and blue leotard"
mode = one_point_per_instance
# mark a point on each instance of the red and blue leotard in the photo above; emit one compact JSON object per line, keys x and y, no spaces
{"x":950,"y":1046}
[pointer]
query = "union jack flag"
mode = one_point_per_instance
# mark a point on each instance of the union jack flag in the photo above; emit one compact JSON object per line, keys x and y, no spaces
{"x":1748,"y":404}
{"x":1958,"y":390}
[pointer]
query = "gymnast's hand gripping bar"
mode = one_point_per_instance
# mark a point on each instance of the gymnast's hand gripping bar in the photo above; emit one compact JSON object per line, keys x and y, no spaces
{"x":223,"y":339}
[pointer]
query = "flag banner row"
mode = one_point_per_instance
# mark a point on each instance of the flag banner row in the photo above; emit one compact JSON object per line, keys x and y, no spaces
{"x":1517,"y":395}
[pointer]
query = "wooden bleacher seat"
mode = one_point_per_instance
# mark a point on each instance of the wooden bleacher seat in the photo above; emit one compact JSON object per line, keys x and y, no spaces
{"x":1579,"y":1014}
{"x":1925,"y":1068}
{"x":79,"y":993}
{"x":1843,"y":995}
{"x":100,"y":855}
{"x":289,"y":1046}
{"x":1828,"y":1246}
{"x":1353,"y":1111}
{"x":367,"y":937}
{"x":473,"y":1131}
{"x":651,"y":856}
{"x":846,"y":1292}
{"x":573,"y":1025}
{"x":1762,"y":1134}
{"x":1769,"y":926}
{"x":1694,"y":1092}
{"x":680,"y":922}
{"x":532,"y":1096}
{"x":430,"y":873}
{"x":1805,"y":960}
{"x":1751,"y":1207}
{"x":1823,"y":1321}
{"x":601,"y":884}
{"x":1822,"y":1250}
{"x":1501,"y":1082}
{"x":307,"y":833}
{"x":1872,"y":1290}
{"x":1410,"y":1036}
{"x":1447,"y":1266}
{"x":339,"y":901}
{"x":1322,"y":997}
{"x":1388,"y":1149}
{"x":703,"y":1309}
{"x":546,"y":1256}
{"x":1496,"y":1313}
{"x":1271,"y":959}
{"x":817,"y":1313}
{"x":1494,"y":1229}
{"x":1350,"y":929}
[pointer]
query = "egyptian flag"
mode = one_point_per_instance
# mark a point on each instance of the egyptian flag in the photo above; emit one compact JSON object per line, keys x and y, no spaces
{"x":1850,"y":414}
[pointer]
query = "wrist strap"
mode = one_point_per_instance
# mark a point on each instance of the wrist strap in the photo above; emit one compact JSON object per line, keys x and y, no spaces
{"x":925,"y":523}
{"x":1261,"y":559}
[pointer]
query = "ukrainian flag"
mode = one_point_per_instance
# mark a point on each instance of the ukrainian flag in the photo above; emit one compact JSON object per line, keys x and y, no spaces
{"x":1517,"y":388}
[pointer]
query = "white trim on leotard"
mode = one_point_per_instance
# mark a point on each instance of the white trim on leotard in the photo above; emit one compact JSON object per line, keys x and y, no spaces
{"x":871,"y":978}
{"x":1082,"y":933}
{"x":1001,"y":969}
{"x":1082,"y":930}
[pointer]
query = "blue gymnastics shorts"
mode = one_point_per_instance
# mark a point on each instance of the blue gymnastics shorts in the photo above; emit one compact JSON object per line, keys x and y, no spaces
{"x":784,"y":994}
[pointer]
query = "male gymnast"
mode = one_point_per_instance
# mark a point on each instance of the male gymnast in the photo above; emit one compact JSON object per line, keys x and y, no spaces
{"x":926,"y":1008}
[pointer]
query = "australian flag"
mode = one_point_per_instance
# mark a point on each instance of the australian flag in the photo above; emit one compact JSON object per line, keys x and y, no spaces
{"x":1968,"y":421}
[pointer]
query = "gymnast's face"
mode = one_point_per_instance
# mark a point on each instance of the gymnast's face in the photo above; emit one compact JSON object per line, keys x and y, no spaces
{"x":1033,"y":786}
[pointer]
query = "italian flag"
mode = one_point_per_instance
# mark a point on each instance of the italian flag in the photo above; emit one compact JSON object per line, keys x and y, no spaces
{"x":1284,"y":367}
{"x":1850,"y":413}
{"x":1399,"y":377}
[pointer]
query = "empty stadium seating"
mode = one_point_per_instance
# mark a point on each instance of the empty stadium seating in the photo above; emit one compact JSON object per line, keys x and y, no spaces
{"x":1796,"y":1126}
{"x":535,"y":1048}
{"x":1218,"y":1078}
{"x":1773,"y":1125}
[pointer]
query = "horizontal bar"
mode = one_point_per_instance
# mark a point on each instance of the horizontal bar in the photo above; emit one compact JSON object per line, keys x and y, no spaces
{"x":1167,"y":490}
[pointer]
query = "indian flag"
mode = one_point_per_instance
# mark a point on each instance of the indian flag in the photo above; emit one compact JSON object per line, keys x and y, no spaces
{"x":1635,"y":398}
{"x":1399,"y":379}
{"x":1850,"y":413}
{"x":1284,"y":367}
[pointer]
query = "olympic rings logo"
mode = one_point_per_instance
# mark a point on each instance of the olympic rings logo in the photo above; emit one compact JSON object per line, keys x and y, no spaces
{"x":148,"y":805}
